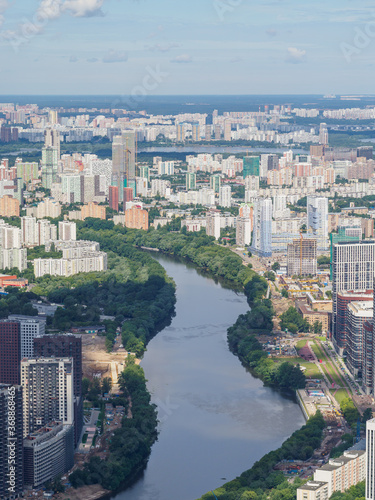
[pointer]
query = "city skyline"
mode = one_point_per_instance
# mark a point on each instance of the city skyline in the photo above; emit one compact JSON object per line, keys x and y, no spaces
{"x":106,"y":47}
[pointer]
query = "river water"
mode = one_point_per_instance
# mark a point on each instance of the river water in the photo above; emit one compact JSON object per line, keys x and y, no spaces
{"x":216,"y":419}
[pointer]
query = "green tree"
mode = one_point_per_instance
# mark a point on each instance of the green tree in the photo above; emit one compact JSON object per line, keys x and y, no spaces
{"x":275,"y":266}
{"x":106,"y":385}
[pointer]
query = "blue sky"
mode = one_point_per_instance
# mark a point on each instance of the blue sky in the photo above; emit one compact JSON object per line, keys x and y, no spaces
{"x":186,"y":47}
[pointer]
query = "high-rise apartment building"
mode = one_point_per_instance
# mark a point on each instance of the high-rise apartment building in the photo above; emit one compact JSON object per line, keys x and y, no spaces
{"x":191,"y":181}
{"x":48,"y":454}
{"x":251,"y":166}
{"x":215,"y":182}
{"x":113,"y":198}
{"x":262,"y":227}
{"x":358,"y":313}
{"x":66,"y":346}
{"x":11,"y":444}
{"x":50,"y":157}
{"x":268,"y":162}
{"x":302,"y":257}
{"x":225,"y":196}
{"x":67,"y":231}
{"x":48,"y":392}
{"x":9,"y":206}
{"x":196,"y":132}
{"x":317,"y":220}
{"x":136,"y":218}
{"x":227,"y":130}
{"x":323,"y":134}
{"x":180,"y":132}
{"x":29,"y":328}
{"x":93,"y":210}
{"x":123,"y":161}
{"x":213,"y":224}
{"x":243,"y":231}
{"x":353,"y":268}
{"x":10,"y":352}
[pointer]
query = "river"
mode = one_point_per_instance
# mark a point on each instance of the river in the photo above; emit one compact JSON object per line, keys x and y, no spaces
{"x":216,"y":419}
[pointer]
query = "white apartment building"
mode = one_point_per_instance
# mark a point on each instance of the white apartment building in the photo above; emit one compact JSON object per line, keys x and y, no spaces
{"x":67,"y":231}
{"x":262,"y":227}
{"x":160,"y":187}
{"x":313,"y":490}
{"x":225,"y":196}
{"x":10,"y":236}
{"x":213,"y":225}
{"x":317,"y":220}
{"x":166,"y":167}
{"x":13,"y":257}
{"x":343,"y":472}
{"x":86,"y":263}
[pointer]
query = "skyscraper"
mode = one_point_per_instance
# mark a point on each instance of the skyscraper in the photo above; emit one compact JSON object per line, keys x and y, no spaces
{"x":10,"y":352}
{"x":50,"y":157}
{"x":353,"y":268}
{"x":317,"y":220}
{"x":251,"y":165}
{"x":123,"y":161}
{"x":66,"y":346}
{"x":323,"y":134}
{"x":11,"y":443}
{"x":262,"y":229}
{"x":48,"y":392}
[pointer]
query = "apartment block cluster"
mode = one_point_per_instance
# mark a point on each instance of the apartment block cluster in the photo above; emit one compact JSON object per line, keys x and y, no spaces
{"x":41,"y":403}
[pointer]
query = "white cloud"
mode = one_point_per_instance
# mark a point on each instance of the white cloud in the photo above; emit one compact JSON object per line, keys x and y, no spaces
{"x":160,"y":47}
{"x":114,"y":56}
{"x":84,"y":8}
{"x":295,"y":56}
{"x":182,"y":59}
{"x":73,"y":59}
{"x":48,"y":9}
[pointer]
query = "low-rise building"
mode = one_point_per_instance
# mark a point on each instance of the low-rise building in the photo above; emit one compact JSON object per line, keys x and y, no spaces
{"x":313,"y":490}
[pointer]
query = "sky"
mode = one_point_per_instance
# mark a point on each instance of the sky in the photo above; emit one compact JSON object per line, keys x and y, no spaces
{"x":172,"y":47}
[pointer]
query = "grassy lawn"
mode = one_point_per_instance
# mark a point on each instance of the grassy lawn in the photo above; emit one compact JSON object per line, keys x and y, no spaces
{"x":312,"y":371}
{"x":300,"y":344}
{"x":340,"y":395}
{"x":323,"y":339}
